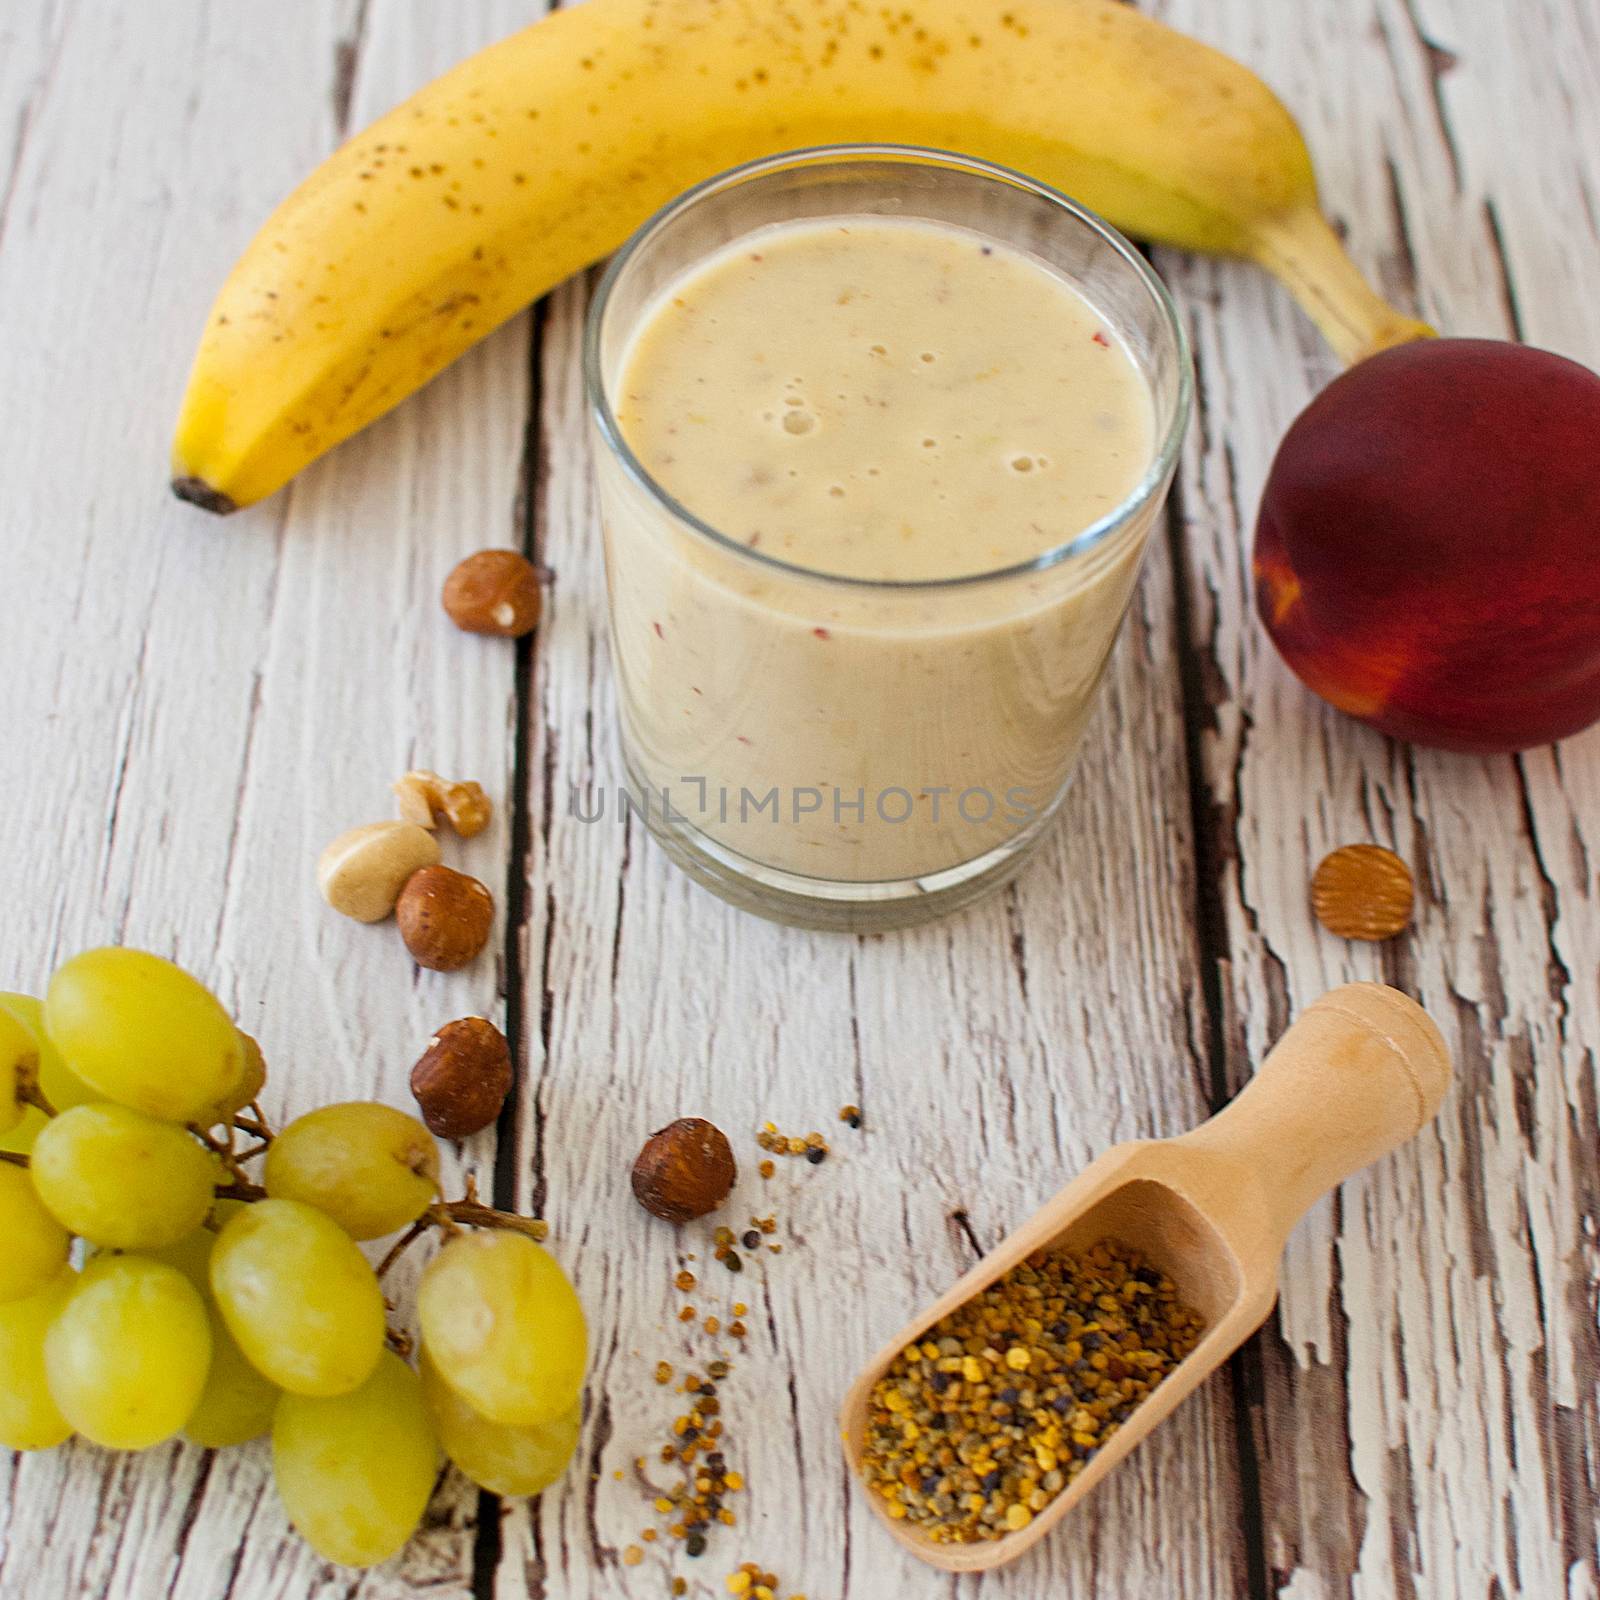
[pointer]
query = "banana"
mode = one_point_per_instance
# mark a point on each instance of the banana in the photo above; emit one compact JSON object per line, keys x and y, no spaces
{"x":542,"y":153}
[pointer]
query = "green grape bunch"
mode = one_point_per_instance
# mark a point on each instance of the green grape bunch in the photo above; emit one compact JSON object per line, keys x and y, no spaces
{"x":150,"y":1287}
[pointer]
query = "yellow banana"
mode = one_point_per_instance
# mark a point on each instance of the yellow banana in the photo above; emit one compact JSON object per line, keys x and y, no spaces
{"x":542,"y":153}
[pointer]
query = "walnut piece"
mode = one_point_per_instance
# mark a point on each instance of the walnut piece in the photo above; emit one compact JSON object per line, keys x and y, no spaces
{"x":424,"y":797}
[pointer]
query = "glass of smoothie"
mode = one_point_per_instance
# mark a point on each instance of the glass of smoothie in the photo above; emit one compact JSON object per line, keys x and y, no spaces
{"x":881,"y":434}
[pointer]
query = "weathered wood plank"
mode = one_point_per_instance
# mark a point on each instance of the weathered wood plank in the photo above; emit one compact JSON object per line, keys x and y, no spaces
{"x":1427,"y":1409}
{"x":1425,"y":1419}
{"x":194,"y":708}
{"x":30,"y":41}
{"x":993,"y":1055}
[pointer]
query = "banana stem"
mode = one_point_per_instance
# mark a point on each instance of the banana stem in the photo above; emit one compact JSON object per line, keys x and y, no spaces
{"x":1305,"y":255}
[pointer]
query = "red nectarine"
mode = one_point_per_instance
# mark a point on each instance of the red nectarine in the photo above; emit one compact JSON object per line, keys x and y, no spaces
{"x":1428,"y":551}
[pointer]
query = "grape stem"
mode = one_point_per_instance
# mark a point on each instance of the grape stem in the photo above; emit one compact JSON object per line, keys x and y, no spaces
{"x":240,"y":1189}
{"x":16,"y":1159}
{"x":256,"y":1124}
{"x":28,"y":1091}
{"x":217,"y":1147}
{"x":450,"y":1216}
{"x":403,"y":1243}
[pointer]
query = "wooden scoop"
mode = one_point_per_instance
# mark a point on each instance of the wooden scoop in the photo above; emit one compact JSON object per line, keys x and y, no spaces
{"x":1359,"y":1073}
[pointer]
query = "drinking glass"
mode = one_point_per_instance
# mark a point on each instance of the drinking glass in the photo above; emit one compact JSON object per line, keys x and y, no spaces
{"x":841,"y":752}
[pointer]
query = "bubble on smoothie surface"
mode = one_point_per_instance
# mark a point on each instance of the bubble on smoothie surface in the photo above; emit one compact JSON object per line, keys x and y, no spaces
{"x":798,"y":422}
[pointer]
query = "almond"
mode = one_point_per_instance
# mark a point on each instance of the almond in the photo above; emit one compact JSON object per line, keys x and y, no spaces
{"x":1362,"y":891}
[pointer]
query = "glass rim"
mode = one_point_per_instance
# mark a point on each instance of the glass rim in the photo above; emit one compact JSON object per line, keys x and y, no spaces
{"x":1146,"y":489}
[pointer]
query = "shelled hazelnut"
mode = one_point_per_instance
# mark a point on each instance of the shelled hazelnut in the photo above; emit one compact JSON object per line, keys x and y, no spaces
{"x":461,"y":1080}
{"x":684,"y":1170}
{"x":445,"y":917}
{"x":494,"y":591}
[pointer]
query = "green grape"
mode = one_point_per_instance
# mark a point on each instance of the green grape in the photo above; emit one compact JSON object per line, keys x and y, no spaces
{"x":252,"y":1080}
{"x":191,"y":1254}
{"x":33,"y":1245}
{"x":19,"y":1059}
{"x":504,"y":1327}
{"x":371,"y":1168}
{"x":298,"y":1296}
{"x":62,"y":1087}
{"x":121,"y":1179}
{"x":128,"y":1353}
{"x":237,"y":1402}
{"x":502,"y":1459}
{"x":356,"y":1470}
{"x":143,"y":1032}
{"x":29,"y":1418}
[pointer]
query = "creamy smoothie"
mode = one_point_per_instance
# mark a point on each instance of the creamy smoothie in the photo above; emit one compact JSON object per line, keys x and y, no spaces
{"x":883,"y":399}
{"x":896,"y":403}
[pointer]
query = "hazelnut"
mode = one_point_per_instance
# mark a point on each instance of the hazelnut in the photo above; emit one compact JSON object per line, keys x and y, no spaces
{"x":361,"y":873}
{"x":444,"y":917}
{"x":494,"y":591}
{"x":462,"y":1079}
{"x":685,"y":1170}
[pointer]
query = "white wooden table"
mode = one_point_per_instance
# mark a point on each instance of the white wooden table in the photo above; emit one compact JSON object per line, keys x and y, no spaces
{"x":190,"y":709}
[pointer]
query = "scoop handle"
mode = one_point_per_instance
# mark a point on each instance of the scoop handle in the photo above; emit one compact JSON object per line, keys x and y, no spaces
{"x":1358,"y":1073}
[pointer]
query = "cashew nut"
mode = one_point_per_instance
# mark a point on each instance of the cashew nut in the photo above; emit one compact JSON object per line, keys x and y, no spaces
{"x":363,"y":871}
